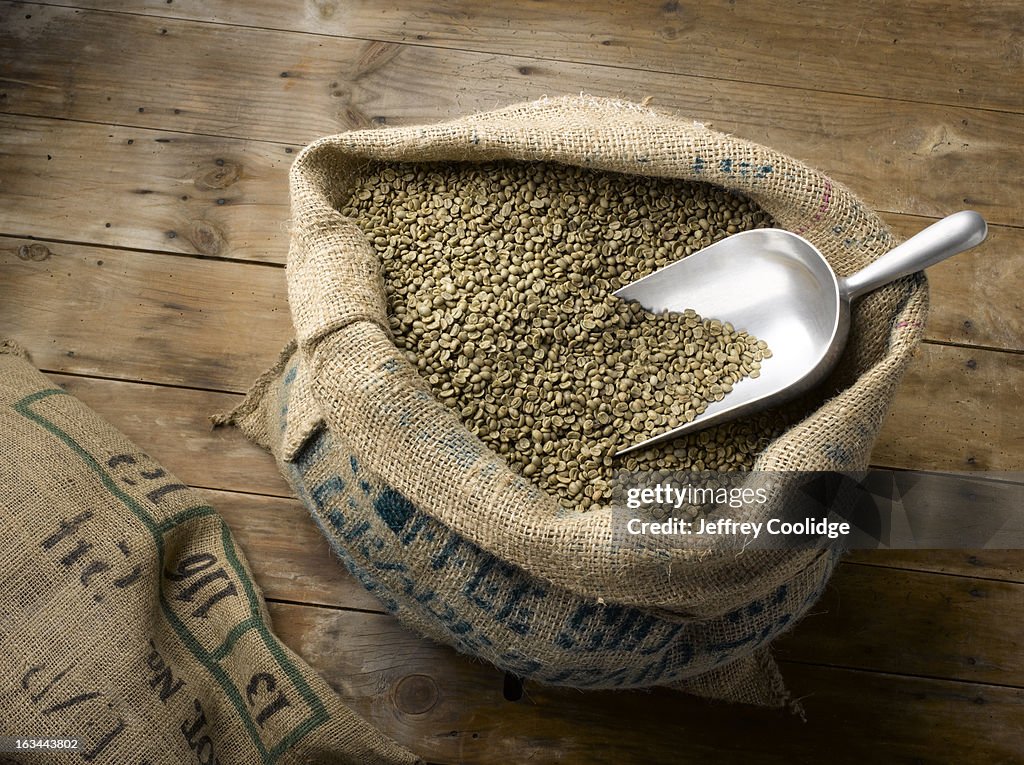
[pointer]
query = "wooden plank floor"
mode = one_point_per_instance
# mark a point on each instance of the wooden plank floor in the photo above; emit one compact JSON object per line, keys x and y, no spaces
{"x":144,"y":150}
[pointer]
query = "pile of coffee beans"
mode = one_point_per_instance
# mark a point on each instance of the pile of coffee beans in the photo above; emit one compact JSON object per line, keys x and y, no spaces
{"x":499,"y":279}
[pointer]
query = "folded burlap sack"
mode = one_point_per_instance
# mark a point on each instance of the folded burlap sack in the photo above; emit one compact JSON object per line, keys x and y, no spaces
{"x":129,"y":618}
{"x":462,"y":548}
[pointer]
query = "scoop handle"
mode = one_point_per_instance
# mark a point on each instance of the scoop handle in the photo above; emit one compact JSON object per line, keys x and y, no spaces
{"x":943,"y":239}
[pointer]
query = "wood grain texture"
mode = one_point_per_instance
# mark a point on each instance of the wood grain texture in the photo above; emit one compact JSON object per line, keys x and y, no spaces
{"x":977,"y":297}
{"x":956,"y":409}
{"x":153,"y":190}
{"x":173,"y":424}
{"x":416,"y":692}
{"x":869,"y":48}
{"x":1002,"y":565}
{"x":914,"y":623}
{"x":923,"y":159}
{"x":143,"y":316}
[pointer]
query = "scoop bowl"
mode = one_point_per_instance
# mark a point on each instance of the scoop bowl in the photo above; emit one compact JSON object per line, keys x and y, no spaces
{"x":777,"y":286}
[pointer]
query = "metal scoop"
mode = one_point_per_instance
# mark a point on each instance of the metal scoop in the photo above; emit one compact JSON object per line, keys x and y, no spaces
{"x":778,"y":287}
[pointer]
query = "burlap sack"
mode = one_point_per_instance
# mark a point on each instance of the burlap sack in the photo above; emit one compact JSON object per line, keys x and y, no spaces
{"x":465,"y":550}
{"x":129,"y":617}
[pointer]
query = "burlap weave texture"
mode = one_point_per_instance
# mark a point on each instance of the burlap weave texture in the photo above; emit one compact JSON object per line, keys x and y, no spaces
{"x":129,"y":617}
